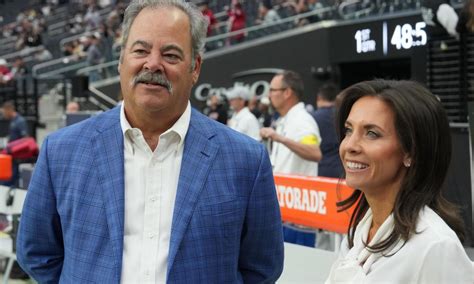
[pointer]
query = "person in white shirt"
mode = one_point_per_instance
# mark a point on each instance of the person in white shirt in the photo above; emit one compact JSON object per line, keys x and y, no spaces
{"x":296,"y":140}
{"x":242,"y":120}
{"x":396,"y":149}
{"x":295,"y":148}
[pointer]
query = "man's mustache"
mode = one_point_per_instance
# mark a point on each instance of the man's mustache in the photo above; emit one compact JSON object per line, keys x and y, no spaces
{"x":148,"y":77}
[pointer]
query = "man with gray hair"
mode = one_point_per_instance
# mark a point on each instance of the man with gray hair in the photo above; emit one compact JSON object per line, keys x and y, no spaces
{"x":152,"y":191}
{"x":296,"y":139}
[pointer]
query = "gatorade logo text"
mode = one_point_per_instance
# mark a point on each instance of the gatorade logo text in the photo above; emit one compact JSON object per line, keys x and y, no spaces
{"x":302,"y":199}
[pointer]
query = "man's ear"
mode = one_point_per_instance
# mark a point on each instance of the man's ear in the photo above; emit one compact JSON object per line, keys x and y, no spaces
{"x":197,"y":68}
{"x":120,"y":62}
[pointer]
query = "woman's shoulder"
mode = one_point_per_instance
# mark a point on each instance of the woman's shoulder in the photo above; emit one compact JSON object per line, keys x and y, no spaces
{"x":431,"y":227}
{"x":444,"y":259}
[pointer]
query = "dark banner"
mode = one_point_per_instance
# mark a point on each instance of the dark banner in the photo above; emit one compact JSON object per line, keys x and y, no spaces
{"x":320,"y":52}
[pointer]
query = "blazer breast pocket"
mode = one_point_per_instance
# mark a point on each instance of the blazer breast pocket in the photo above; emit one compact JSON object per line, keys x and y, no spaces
{"x":223,"y":218}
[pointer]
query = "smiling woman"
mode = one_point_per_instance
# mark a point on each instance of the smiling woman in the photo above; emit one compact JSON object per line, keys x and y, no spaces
{"x":396,"y":149}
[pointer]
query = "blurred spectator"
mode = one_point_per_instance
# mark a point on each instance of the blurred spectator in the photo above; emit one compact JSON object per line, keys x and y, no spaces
{"x":212,"y":21}
{"x":216,"y":109}
{"x":253,"y":106}
{"x":68,"y":48}
{"x":43,"y":54}
{"x":94,"y":57}
{"x":92,"y":17}
{"x":75,"y":24}
{"x":466,"y":18}
{"x":73,"y":107}
{"x":5,"y":73}
{"x":106,"y":41}
{"x":242,"y":120}
{"x":114,"y":19}
{"x":330,"y":165}
{"x":305,"y":6}
{"x":18,"y":127}
{"x":207,"y":12}
{"x":439,"y":14}
{"x":236,"y":21}
{"x":266,"y":13}
{"x":19,"y":68}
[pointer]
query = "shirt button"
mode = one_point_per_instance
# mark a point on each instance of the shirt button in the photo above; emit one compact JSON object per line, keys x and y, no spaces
{"x":151,"y":235}
{"x":153,"y":199}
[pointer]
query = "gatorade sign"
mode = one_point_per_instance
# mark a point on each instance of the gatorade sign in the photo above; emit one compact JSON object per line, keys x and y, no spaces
{"x":311,"y":201}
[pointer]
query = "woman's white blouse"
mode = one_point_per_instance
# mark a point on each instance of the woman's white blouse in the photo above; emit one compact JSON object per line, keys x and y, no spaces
{"x":434,"y":255}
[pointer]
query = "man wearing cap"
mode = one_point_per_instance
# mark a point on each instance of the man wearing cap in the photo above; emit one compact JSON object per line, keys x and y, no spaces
{"x":242,"y":120}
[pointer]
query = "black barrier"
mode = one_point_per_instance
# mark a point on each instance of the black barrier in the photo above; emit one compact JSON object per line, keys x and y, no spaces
{"x":80,"y":86}
{"x":458,"y":186}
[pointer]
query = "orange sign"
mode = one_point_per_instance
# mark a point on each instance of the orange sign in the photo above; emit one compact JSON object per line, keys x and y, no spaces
{"x":311,"y":201}
{"x":5,"y":167}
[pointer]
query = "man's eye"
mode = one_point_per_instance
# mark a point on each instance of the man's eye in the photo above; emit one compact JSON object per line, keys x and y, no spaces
{"x":172,"y":57}
{"x":139,"y":51}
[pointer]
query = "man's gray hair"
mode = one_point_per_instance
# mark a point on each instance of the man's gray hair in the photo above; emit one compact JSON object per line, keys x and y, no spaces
{"x":197,"y":21}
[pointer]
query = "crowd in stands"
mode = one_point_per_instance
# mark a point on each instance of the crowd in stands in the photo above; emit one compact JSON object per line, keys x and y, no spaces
{"x":97,"y":23}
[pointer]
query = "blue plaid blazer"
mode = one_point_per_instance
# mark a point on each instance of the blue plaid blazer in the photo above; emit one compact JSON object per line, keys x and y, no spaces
{"x":226,"y":224}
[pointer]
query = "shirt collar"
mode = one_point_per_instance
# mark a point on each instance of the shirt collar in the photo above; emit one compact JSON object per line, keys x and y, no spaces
{"x":242,"y":112}
{"x":180,"y":127}
{"x":299,"y":106}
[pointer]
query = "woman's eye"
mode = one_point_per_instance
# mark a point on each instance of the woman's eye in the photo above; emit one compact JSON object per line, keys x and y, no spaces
{"x":347,"y":130}
{"x":372,"y":134}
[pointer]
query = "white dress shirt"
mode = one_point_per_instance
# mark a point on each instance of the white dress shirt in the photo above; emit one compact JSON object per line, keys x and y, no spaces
{"x":433,"y":255}
{"x":299,"y":126}
{"x":245,"y":122}
{"x":151,"y":181}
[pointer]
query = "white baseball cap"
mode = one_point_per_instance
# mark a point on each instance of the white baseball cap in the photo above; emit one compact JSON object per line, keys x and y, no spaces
{"x":239,"y":91}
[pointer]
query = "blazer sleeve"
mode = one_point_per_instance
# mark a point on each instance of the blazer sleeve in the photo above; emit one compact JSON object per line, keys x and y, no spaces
{"x":446,"y":262}
{"x":261,"y":252}
{"x":40,"y":250}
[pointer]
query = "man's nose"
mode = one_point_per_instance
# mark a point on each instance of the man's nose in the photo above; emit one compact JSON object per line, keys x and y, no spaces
{"x":154,"y":62}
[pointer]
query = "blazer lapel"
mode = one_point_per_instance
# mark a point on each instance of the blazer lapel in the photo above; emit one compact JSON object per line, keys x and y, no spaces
{"x":108,"y":149}
{"x":198,"y":156}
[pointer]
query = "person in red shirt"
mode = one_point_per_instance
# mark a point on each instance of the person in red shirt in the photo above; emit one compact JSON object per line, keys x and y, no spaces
{"x":211,"y":19}
{"x":5,"y":73}
{"x":236,"y":21}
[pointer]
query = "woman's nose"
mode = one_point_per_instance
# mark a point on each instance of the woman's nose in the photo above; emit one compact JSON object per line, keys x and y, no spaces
{"x":351,"y":143}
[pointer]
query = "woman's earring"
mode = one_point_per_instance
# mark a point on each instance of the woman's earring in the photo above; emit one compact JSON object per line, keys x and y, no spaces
{"x":407,"y":163}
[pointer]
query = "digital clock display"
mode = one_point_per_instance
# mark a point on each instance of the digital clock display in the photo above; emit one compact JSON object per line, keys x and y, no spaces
{"x":406,"y":36}
{"x":389,"y":38}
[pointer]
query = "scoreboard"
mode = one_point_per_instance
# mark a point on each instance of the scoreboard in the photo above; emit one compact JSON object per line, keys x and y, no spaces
{"x":377,"y":40}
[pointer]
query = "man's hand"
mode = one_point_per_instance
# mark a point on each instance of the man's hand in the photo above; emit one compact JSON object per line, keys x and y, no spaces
{"x":269,"y":133}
